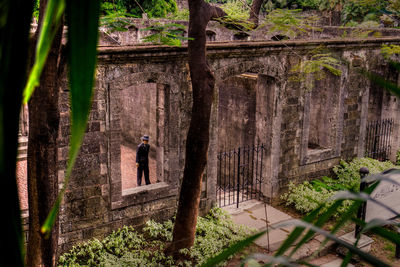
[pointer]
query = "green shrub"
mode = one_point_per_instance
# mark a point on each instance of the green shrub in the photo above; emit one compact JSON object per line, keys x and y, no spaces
{"x":126,"y":247}
{"x":348,"y":174}
{"x":307,"y":196}
{"x":236,"y":10}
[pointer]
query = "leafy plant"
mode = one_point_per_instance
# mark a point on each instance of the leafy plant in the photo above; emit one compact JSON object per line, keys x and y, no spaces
{"x":180,"y":14}
{"x":348,"y":174}
{"x":312,"y":224}
{"x":398,"y":157}
{"x":390,"y":50}
{"x":82,"y":21}
{"x":236,"y":10}
{"x":307,"y":196}
{"x":128,"y":247}
{"x":289,"y":22}
{"x":168,"y":34}
{"x":315,"y":68}
{"x":116,"y":21}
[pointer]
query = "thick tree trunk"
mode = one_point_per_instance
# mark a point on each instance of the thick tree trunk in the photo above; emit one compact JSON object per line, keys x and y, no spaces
{"x":42,"y":160}
{"x":255,"y":11}
{"x":198,"y":136}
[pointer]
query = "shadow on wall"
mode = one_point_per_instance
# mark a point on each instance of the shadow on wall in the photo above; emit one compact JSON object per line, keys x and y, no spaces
{"x":138,"y":118}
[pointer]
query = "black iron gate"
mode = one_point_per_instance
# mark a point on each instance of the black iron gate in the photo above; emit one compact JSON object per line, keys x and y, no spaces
{"x":240,"y":175}
{"x":378,"y":139}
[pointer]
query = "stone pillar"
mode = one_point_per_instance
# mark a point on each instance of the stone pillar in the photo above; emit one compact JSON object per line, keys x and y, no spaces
{"x":268,"y":127}
{"x":391,"y":109}
{"x":212,"y":162}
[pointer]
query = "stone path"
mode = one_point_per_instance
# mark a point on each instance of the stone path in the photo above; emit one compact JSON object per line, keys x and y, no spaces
{"x":255,"y":214}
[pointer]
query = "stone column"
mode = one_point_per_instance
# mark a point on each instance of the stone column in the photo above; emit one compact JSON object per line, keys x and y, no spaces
{"x":268,"y":127}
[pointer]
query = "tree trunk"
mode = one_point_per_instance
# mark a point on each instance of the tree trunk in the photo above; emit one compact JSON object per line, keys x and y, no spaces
{"x":255,"y":11}
{"x":42,"y":159}
{"x":198,"y":136}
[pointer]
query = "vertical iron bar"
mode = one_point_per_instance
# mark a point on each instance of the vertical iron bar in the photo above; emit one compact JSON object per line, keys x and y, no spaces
{"x":388,"y":137}
{"x":369,"y":140}
{"x":257,"y":159}
{"x":224,"y":178}
{"x":229,"y":179}
{"x":261,"y":165}
{"x":390,"y":134}
{"x":384,"y":147}
{"x":220,"y":177}
{"x":233,"y":178}
{"x":242,"y":170}
{"x":383,"y":133}
{"x":375,"y":140}
{"x":252,"y":172}
{"x":238,"y":178}
{"x":248,"y":172}
{"x":218,"y":181}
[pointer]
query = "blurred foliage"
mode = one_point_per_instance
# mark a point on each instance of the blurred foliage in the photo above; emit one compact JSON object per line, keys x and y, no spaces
{"x":167,"y":34}
{"x":153,"y":8}
{"x":390,"y":50}
{"x":289,"y":22}
{"x":314,"y":67}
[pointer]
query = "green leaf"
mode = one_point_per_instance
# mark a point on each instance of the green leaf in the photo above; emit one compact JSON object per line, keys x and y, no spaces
{"x":322,"y":219}
{"x":15,"y":20}
{"x":391,"y":87}
{"x":365,"y":256}
{"x":83,"y":21}
{"x":51,"y":22}
{"x":295,"y":234}
{"x":235,"y":248}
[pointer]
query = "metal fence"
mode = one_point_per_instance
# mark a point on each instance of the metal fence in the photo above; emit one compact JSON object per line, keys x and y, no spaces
{"x":240,"y":175}
{"x":378,"y":144}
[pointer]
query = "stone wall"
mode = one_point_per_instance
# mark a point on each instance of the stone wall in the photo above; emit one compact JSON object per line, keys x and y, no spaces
{"x":95,"y":203}
{"x":236,"y":112}
{"x":139,"y":28}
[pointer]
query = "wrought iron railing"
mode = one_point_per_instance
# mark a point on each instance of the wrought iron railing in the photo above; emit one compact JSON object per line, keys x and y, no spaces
{"x":378,"y":143}
{"x":240,"y":175}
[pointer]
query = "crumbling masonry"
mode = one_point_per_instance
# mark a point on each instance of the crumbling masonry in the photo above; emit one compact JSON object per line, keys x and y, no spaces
{"x":255,"y":102}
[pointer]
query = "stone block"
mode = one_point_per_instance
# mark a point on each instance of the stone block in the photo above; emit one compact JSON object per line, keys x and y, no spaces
{"x":364,"y":243}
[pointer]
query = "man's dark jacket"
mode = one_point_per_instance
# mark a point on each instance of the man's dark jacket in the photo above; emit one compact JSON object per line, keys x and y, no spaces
{"x":142,"y":154}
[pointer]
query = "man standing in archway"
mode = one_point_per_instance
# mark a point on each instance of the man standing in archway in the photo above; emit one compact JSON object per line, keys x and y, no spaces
{"x":142,"y":160}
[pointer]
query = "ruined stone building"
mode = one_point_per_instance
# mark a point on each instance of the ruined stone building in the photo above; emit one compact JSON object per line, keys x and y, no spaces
{"x":146,"y":90}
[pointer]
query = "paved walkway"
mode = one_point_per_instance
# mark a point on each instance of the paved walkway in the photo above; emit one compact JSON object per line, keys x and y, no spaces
{"x":256,"y":214}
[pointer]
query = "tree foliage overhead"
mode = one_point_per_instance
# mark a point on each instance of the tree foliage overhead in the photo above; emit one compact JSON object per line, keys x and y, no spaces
{"x":153,"y":8}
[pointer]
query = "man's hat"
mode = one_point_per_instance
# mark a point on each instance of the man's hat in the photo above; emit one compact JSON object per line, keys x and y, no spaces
{"x":145,"y":137}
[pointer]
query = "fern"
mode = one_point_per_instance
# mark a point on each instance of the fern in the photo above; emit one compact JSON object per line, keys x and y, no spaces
{"x":315,"y":67}
{"x":168,"y":34}
{"x":390,"y":50}
{"x":290,"y":22}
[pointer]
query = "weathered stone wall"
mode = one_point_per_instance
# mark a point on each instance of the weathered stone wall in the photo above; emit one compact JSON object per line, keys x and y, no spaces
{"x":236,"y":112}
{"x":139,"y":112}
{"x":95,"y":203}
{"x":216,"y":33}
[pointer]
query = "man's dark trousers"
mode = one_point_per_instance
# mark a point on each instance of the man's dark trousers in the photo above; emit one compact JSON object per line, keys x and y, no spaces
{"x":143,"y":168}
